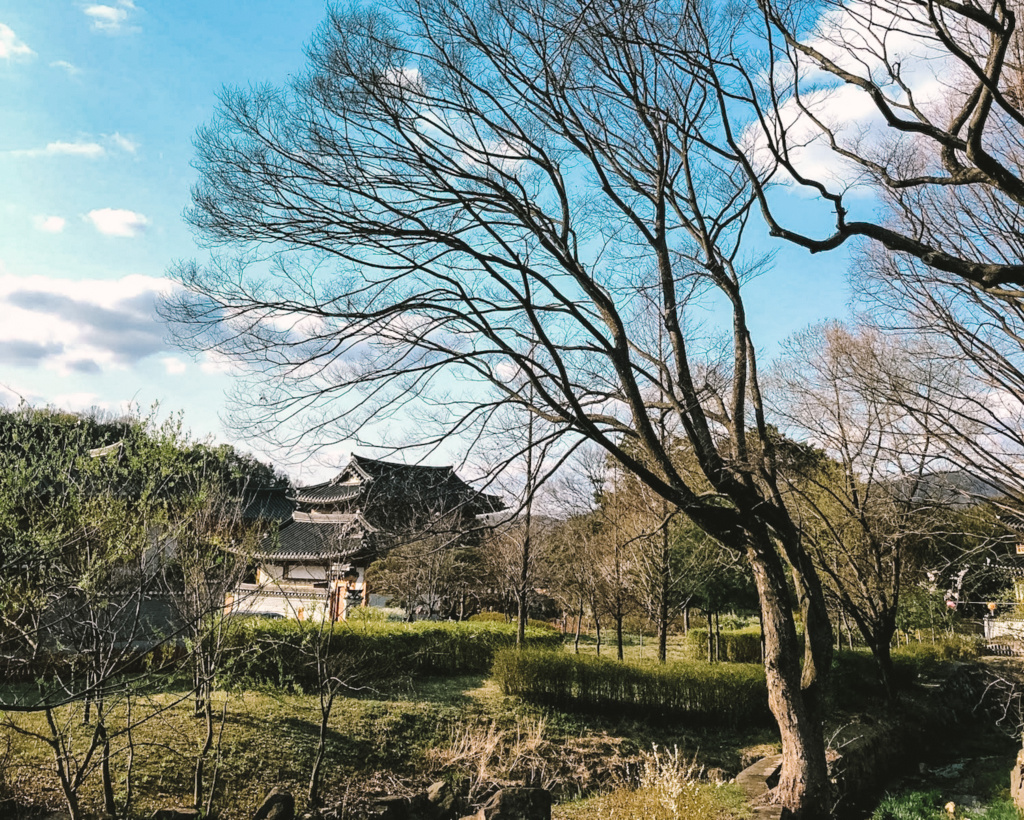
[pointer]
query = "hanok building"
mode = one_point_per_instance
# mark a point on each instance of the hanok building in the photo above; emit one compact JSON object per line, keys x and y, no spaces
{"x":314,"y":565}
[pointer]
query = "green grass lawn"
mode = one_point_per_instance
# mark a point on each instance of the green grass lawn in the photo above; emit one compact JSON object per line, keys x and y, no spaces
{"x":453,"y":727}
{"x":439,"y":727}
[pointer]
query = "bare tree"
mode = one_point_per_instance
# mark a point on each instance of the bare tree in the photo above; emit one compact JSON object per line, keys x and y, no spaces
{"x":978,"y":335}
{"x":870,"y":411}
{"x":465,"y":191}
{"x":571,"y":567}
{"x":920,"y":102}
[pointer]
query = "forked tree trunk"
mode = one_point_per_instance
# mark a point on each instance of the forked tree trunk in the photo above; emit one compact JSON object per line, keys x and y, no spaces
{"x":326,"y":706}
{"x":199,"y":775}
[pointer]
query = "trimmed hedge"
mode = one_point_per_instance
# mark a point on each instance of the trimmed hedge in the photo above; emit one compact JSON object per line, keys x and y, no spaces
{"x":701,"y":693}
{"x":734,"y":645}
{"x":283,"y":653}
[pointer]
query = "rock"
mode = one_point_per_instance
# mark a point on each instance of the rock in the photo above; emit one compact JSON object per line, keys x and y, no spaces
{"x":519,"y":803}
{"x":278,"y":805}
{"x":480,"y":815}
{"x":446,"y":803}
{"x":389,"y":807}
{"x":176,"y":814}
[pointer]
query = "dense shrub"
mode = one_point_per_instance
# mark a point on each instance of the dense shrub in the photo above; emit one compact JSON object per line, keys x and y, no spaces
{"x":284,"y":652}
{"x":734,"y":645}
{"x":732,"y":695}
{"x":927,"y":657}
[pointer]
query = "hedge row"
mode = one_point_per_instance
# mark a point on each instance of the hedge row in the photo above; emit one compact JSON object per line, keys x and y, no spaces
{"x":734,"y":645}
{"x":731,"y":695}
{"x":284,"y":653}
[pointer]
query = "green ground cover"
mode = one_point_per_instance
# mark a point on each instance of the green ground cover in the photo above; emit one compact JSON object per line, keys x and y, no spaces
{"x":609,"y":763}
{"x":400,"y":735}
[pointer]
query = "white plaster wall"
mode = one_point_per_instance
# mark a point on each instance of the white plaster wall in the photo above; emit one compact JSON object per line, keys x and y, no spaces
{"x":306,"y":572}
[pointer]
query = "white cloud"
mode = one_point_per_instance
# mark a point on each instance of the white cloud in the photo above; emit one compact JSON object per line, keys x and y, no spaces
{"x":173,"y":366}
{"x":64,"y":65}
{"x":75,"y":149}
{"x":117,"y":221}
{"x":48,"y":224}
{"x":85,"y":148}
{"x":112,"y":18}
{"x":80,"y":148}
{"x":124,"y":143}
{"x":214,"y":362}
{"x":11,"y":48}
{"x":865,"y":38}
{"x":81,"y":402}
{"x":80,"y":327}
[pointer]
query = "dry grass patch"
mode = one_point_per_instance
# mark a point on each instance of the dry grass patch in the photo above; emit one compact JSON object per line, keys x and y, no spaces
{"x":670,"y":787}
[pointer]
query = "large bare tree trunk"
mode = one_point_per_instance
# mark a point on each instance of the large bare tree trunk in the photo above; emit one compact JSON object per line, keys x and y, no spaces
{"x":803,"y":784}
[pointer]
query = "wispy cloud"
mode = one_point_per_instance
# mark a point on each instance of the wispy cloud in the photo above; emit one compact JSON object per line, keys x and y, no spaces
{"x":173,"y":366}
{"x":11,"y":48}
{"x":64,"y":65}
{"x":111,"y":18}
{"x":117,"y":221}
{"x":83,"y":327}
{"x":83,"y":147}
{"x":79,"y":148}
{"x":48,"y":224}
{"x":127,"y":145}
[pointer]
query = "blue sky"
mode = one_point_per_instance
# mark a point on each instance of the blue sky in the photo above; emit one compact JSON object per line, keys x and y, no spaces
{"x":99,"y":103}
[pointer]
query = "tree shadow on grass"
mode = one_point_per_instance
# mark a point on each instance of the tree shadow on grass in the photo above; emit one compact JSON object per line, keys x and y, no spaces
{"x":447,"y":691}
{"x":342,"y":748}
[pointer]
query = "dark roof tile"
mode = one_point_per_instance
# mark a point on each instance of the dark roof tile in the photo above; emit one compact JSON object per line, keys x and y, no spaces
{"x":299,"y":540}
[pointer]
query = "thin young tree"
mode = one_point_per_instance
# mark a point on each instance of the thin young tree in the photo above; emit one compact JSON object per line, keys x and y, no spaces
{"x":870,"y":411}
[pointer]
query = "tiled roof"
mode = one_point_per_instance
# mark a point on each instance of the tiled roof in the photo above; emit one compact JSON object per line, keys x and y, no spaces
{"x":388,"y":482}
{"x":378,"y":469}
{"x":299,"y":540}
{"x":1013,"y":520}
{"x":327,"y":493}
{"x":268,"y":504}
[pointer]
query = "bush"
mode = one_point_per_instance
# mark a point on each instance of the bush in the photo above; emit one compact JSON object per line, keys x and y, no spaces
{"x":376,"y":613}
{"x":489,"y":617}
{"x":283,"y":652}
{"x":734,"y":645}
{"x":731,"y":695}
{"x":926,"y":658}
